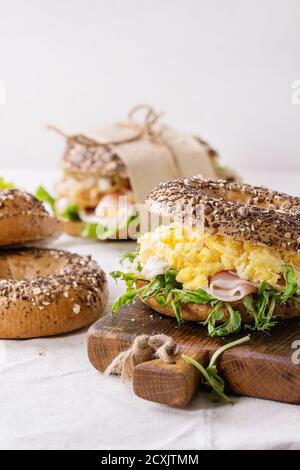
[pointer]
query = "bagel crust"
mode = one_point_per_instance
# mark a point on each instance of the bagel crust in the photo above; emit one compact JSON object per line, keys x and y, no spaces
{"x":24,"y":219}
{"x":73,"y":227}
{"x":47,"y":292}
{"x":85,"y":157}
{"x":236,"y":210}
{"x":200,"y":313}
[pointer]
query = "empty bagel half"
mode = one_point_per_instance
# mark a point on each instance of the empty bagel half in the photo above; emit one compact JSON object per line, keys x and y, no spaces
{"x":47,"y":292}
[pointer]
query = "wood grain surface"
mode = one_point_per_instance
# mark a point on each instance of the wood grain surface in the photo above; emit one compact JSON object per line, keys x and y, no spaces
{"x":263,"y":368}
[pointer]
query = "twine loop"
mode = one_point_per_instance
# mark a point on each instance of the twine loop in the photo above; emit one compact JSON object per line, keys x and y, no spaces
{"x":144,"y":128}
{"x":144,"y":348}
{"x":150,"y":118}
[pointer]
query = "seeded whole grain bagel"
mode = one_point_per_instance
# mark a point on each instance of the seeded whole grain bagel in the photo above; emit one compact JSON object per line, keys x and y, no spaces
{"x":47,"y":292}
{"x":24,"y":219}
{"x":236,"y":210}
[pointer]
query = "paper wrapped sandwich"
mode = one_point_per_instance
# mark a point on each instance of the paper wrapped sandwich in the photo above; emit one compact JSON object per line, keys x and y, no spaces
{"x":107,"y":171}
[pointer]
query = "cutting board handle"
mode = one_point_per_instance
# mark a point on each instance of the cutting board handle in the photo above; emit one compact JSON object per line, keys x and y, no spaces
{"x":171,"y":384}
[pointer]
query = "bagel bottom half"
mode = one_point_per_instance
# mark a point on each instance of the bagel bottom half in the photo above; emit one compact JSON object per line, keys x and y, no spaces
{"x":199,"y":313}
{"x":72,"y":227}
{"x":47,"y":292}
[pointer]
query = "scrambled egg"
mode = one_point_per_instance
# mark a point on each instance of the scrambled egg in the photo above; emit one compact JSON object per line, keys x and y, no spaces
{"x":199,"y":256}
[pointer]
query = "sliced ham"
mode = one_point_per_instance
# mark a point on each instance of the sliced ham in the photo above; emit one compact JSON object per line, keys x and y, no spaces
{"x":227,"y":286}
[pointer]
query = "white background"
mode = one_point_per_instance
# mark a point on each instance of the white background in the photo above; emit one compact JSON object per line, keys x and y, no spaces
{"x":223,"y":68}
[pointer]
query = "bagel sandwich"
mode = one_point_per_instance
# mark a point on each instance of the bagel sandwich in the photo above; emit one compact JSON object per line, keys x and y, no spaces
{"x":94,"y":198}
{"x":94,"y":182}
{"x":91,"y":203}
{"x":233,"y":262}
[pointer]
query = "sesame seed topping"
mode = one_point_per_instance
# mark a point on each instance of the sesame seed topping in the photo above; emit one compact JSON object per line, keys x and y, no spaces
{"x":67,"y":271}
{"x":76,"y":309}
{"x":239,"y":211}
{"x":85,"y":156}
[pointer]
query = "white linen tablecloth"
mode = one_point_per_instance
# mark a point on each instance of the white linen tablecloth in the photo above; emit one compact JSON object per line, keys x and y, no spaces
{"x":52,"y":398}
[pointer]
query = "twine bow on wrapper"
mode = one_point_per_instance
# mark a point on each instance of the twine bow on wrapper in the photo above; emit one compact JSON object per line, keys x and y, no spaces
{"x":92,"y":137}
{"x":151,"y":151}
{"x":149,"y":131}
{"x":144,"y":348}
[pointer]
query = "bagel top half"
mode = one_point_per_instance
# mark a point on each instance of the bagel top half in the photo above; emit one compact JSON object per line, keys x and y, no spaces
{"x":87,"y":158}
{"x":236,"y":210}
{"x":23,"y":219}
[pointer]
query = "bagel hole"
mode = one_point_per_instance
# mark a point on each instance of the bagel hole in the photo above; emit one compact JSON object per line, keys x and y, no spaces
{"x":29,"y":264}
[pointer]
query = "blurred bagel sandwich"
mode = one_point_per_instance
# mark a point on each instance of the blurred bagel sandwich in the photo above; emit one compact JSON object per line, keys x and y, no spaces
{"x":107,"y":171}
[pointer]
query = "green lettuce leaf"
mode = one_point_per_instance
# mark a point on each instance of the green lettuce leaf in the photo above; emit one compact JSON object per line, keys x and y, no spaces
{"x":168,"y":292}
{"x":262,"y":306}
{"x":128,"y":278}
{"x":129,"y":256}
{"x":99,"y":231}
{"x":232,"y":325}
{"x":89,"y":231}
{"x":71,"y":213}
{"x":210,"y":374}
{"x":96,"y":231}
{"x":5,"y":185}
{"x":291,"y":285}
{"x":196,"y":297}
{"x":43,"y":195}
{"x":124,"y":299}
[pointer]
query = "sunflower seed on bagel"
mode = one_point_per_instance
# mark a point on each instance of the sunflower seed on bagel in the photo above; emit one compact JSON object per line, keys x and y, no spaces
{"x":24,"y":219}
{"x":237,"y":210}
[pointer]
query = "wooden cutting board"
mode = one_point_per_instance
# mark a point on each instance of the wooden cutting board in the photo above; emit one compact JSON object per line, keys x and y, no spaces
{"x":262,"y":368}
